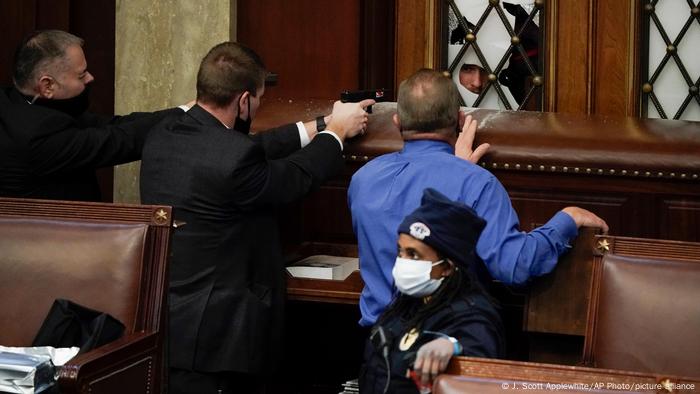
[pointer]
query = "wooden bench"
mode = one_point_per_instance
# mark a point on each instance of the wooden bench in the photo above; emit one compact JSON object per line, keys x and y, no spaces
{"x":472,"y":375}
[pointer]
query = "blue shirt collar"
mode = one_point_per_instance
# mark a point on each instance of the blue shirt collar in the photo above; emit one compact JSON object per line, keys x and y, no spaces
{"x":426,"y":146}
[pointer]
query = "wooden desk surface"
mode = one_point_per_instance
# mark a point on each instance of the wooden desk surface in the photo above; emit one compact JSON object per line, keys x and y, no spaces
{"x":325,"y":290}
{"x":512,"y":372}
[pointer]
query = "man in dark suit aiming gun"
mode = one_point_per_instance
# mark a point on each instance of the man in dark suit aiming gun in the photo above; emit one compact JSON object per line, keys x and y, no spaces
{"x":227,"y":282}
{"x":49,"y":145}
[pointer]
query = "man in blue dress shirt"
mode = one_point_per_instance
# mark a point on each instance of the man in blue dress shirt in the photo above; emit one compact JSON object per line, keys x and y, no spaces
{"x":389,"y":187}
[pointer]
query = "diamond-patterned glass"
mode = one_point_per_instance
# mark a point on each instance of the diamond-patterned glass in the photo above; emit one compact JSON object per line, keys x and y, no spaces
{"x":494,"y":52}
{"x":671,"y":86}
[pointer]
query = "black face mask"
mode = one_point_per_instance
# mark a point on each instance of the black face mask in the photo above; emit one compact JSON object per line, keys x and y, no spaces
{"x":243,"y":125}
{"x":74,"y":106}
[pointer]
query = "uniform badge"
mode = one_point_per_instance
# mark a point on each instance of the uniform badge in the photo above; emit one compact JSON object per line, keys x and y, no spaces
{"x":408,"y":340}
{"x":419,"y":230}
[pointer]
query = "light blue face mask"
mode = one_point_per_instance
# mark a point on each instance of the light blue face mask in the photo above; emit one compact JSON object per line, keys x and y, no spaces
{"x":412,"y":277}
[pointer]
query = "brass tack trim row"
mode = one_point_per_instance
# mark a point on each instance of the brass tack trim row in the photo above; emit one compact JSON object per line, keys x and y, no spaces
{"x":592,"y":170}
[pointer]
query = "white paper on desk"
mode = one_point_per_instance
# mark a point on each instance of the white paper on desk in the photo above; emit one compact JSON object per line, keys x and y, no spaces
{"x":58,"y":355}
{"x":29,"y":370}
{"x":324,"y":267}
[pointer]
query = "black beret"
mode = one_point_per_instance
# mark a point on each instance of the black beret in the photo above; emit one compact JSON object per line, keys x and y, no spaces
{"x":450,"y":227}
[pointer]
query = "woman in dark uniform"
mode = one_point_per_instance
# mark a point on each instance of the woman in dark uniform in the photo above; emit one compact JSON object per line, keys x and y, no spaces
{"x":441,"y":310}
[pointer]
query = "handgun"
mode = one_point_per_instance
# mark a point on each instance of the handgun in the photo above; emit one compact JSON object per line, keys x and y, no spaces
{"x":355,"y":96}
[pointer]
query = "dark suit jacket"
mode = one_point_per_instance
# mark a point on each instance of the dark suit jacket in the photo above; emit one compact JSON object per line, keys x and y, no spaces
{"x":227,"y":283}
{"x":48,"y":154}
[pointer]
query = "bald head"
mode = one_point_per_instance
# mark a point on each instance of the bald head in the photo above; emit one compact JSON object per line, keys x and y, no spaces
{"x":428,"y":101}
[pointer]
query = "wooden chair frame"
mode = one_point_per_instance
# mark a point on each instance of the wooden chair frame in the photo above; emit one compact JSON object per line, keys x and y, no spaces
{"x":136,"y":362}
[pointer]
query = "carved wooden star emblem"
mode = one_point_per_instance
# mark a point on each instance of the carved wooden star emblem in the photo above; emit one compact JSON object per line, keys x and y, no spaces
{"x":161,"y":216}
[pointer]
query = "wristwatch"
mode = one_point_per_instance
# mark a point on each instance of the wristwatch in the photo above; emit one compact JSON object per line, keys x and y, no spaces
{"x":457,"y":346}
{"x":320,"y":123}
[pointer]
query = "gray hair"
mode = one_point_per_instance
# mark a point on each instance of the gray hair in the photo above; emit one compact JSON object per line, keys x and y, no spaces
{"x":427,"y":101}
{"x":40,"y":51}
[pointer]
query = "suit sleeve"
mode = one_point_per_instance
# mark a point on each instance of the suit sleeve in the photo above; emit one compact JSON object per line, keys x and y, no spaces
{"x":91,"y":142}
{"x":259,"y":181}
{"x":279,"y":142}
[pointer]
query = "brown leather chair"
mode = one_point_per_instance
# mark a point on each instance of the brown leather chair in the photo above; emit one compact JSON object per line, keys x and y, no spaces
{"x":644,"y":313}
{"x":108,"y":257}
{"x":481,"y":375}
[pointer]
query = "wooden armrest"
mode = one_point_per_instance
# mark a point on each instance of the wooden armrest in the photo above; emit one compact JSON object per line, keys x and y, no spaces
{"x":118,"y":356}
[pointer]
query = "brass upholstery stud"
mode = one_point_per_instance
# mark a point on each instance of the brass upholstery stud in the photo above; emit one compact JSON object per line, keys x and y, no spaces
{"x":353,"y":157}
{"x":671,"y":48}
{"x":695,"y":11}
{"x":612,"y":172}
{"x":660,"y":174}
{"x":695,"y":176}
{"x":494,"y":165}
{"x":539,"y":3}
{"x":649,"y":8}
{"x":506,"y":165}
{"x":647,"y":173}
{"x":565,"y":169}
{"x":647,"y":88}
{"x":672,"y":175}
{"x":492,"y":77}
{"x":493,"y":2}
{"x":470,"y":37}
{"x":515,"y":40}
{"x":576,"y":169}
{"x":623,"y":172}
{"x":588,"y":170}
{"x":636,"y":173}
{"x":529,"y":167}
{"x":693,"y":90}
{"x":600,"y":171}
{"x":682,"y":175}
{"x":553,"y":168}
{"x":517,"y":166}
{"x":541,"y":168}
{"x":537,"y":80}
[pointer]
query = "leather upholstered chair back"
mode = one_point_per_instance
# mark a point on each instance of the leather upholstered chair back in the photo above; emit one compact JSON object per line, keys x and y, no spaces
{"x":644,"y":313}
{"x":97,"y":265}
{"x":107,"y":257}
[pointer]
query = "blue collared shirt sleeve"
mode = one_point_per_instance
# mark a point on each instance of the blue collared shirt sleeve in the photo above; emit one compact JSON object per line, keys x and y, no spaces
{"x":513,"y":256}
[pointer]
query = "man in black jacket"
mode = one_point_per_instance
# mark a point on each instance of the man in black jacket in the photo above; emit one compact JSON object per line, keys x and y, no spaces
{"x":227,"y":283}
{"x":49,"y":145}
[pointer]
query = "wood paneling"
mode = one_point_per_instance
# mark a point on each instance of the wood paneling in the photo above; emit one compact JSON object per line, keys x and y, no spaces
{"x":378,"y":36}
{"x":413,"y":35}
{"x":677,"y":217}
{"x":614,"y":84}
{"x":17,"y":18}
{"x":313,"y":45}
{"x":573,"y":51}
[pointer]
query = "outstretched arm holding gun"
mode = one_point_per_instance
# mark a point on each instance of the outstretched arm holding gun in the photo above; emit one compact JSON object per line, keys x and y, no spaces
{"x":355,"y":96}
